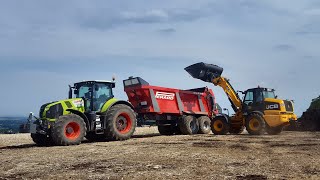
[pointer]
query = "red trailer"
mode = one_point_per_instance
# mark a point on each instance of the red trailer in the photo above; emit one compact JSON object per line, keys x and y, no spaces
{"x":174,"y":111}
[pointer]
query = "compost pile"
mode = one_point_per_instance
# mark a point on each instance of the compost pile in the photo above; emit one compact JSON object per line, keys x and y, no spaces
{"x":310,"y":120}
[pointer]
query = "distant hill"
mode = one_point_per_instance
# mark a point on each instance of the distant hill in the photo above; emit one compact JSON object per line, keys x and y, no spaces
{"x":10,"y":125}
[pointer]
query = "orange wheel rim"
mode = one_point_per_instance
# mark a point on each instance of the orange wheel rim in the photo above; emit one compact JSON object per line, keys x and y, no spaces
{"x":72,"y":130}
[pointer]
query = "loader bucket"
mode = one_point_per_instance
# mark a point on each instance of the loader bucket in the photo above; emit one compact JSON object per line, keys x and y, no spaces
{"x":204,"y":72}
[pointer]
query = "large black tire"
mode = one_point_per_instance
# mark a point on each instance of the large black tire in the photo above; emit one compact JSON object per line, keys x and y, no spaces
{"x":41,"y":140}
{"x":68,"y":130}
{"x":204,"y":125}
{"x":220,"y":126}
{"x":189,"y":125}
{"x":255,"y":124}
{"x":121,"y":123}
{"x":93,"y":137}
{"x":274,"y":130}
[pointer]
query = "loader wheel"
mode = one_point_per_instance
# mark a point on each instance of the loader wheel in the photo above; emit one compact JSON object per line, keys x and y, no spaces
{"x":93,"y":137}
{"x":41,"y":140}
{"x":189,"y":125}
{"x":121,"y":123}
{"x":204,"y":125}
{"x":274,"y":130}
{"x":167,"y":130}
{"x":68,"y":130}
{"x":220,"y":126}
{"x":255,"y":124}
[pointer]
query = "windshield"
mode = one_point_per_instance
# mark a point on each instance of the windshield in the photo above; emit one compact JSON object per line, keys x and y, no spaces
{"x":269,"y":94}
{"x":95,"y":94}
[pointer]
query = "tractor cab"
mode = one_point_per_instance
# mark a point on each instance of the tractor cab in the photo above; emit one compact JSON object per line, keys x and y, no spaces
{"x":94,"y":93}
{"x":254,"y":99}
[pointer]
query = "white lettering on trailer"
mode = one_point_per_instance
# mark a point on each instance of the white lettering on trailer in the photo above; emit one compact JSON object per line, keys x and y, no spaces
{"x":164,"y":95}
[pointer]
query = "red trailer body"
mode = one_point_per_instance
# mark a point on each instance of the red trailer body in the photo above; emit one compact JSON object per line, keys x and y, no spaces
{"x":165,"y":105}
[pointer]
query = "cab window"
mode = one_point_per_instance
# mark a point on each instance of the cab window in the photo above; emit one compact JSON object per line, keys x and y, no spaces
{"x":248,"y":98}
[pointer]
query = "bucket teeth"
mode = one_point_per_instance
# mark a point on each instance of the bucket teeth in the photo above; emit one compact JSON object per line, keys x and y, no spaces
{"x":204,"y":72}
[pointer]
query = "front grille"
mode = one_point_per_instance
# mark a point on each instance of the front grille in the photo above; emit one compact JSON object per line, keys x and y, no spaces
{"x":54,"y":111}
{"x":289,"y":106}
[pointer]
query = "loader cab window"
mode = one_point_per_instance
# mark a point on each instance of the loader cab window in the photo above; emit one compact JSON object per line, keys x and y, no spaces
{"x":269,"y":94}
{"x":248,"y":99}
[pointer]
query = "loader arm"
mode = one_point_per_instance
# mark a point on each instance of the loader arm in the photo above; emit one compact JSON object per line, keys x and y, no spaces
{"x":233,"y":97}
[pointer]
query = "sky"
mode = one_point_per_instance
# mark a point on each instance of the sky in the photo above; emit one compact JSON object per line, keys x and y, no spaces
{"x":46,"y":45}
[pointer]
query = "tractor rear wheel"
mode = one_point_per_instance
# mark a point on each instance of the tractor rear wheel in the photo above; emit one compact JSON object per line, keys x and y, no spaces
{"x":255,"y":124}
{"x":68,"y":130}
{"x":189,"y":125}
{"x":166,"y":130}
{"x":274,"y":130}
{"x":121,"y":123}
{"x":204,"y":125}
{"x":41,"y":140}
{"x":220,"y":126}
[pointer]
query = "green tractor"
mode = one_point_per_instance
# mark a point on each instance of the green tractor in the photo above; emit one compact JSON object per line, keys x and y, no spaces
{"x":91,"y":111}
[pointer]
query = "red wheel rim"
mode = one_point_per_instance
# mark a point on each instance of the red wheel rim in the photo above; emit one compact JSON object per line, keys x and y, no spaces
{"x":72,"y":130}
{"x":124,"y":123}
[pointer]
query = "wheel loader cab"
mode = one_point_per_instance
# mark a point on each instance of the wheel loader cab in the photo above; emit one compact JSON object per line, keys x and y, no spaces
{"x":94,"y":93}
{"x":254,"y":99}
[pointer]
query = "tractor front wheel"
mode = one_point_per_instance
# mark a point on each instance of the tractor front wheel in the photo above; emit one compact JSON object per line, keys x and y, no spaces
{"x":68,"y":130}
{"x":121,"y":123}
{"x":41,"y":140}
{"x":255,"y":124}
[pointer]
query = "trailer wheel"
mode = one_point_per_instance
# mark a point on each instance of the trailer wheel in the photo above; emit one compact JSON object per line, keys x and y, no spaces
{"x":41,"y":140}
{"x":121,"y":123}
{"x":220,"y":126}
{"x":167,"y":130}
{"x":204,"y":125}
{"x":274,"y":130}
{"x":68,"y":130}
{"x":189,"y":125}
{"x":255,"y":124}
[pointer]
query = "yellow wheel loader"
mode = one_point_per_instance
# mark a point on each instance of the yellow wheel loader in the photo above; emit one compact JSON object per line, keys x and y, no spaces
{"x":260,"y":110}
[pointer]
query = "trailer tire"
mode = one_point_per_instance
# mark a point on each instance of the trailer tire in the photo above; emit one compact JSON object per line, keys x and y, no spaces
{"x":166,"y":130}
{"x":68,"y":130}
{"x":189,"y":125}
{"x":120,"y":123}
{"x":255,"y":124}
{"x":41,"y":140}
{"x":204,"y":125}
{"x":220,"y":126}
{"x":274,"y":130}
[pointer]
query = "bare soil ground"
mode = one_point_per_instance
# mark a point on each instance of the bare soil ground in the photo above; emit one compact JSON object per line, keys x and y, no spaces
{"x":291,"y":155}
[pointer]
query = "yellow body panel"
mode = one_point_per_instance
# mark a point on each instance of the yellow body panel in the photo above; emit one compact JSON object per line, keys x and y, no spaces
{"x":280,"y":117}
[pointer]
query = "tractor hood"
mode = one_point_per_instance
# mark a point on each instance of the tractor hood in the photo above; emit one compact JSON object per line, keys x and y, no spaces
{"x":204,"y":72}
{"x":55,"y":109}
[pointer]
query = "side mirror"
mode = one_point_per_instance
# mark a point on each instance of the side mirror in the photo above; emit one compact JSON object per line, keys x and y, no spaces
{"x":76,"y":91}
{"x":276,"y":97}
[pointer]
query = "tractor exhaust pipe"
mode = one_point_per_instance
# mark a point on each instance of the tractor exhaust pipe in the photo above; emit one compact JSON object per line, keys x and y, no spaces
{"x":204,"y":72}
